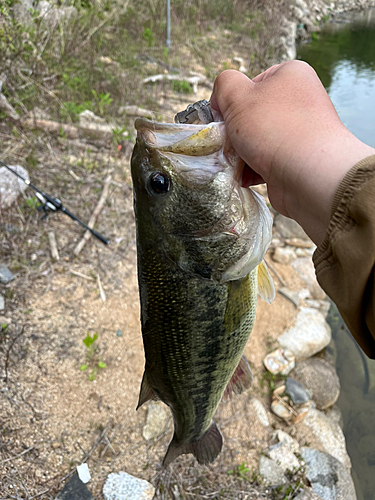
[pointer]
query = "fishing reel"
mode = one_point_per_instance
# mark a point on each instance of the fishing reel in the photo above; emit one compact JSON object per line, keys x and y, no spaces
{"x":47,"y":206}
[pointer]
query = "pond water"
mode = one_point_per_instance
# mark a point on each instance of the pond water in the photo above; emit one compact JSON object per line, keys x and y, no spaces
{"x":344,"y":58}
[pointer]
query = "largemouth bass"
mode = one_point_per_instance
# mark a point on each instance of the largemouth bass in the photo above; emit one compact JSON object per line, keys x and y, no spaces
{"x":201,"y":240}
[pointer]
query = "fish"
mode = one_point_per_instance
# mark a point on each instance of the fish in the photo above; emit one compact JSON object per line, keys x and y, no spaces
{"x":201,"y":241}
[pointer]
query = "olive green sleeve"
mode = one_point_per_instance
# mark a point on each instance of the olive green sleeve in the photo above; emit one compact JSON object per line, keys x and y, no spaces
{"x":345,"y":260}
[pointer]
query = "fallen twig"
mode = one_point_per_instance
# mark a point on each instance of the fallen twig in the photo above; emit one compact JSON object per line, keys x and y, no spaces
{"x":94,"y":216}
{"x":17,"y":456}
{"x":53,"y":245}
{"x":84,"y":276}
{"x":101,"y":291}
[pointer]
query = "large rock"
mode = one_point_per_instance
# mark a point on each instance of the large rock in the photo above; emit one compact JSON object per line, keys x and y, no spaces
{"x":271,"y":472}
{"x":328,"y":477}
{"x":304,"y":267}
{"x":309,"y":335}
{"x":289,"y":228}
{"x":284,"y":457}
{"x":327,"y":433}
{"x":321,"y":378}
{"x":282,"y":437}
{"x":10,"y":185}
{"x":308,"y":494}
{"x":123,"y":486}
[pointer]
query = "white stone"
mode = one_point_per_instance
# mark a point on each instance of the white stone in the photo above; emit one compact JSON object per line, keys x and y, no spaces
{"x":2,"y":303}
{"x":260,"y":411}
{"x":123,"y":486}
{"x":280,"y":361}
{"x":329,"y":433}
{"x":284,"y":457}
{"x":284,"y":255}
{"x":156,"y":421}
{"x":283,"y":437}
{"x":309,"y":335}
{"x":10,"y":185}
{"x":271,"y":472}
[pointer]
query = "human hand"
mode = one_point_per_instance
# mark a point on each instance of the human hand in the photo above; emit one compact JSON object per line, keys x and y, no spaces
{"x":284,"y":126}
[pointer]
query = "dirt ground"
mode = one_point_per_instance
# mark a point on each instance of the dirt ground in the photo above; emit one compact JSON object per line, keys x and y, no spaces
{"x":52,"y":416}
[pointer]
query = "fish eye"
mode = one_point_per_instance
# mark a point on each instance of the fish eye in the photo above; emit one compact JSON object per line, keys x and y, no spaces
{"x":159,"y":183}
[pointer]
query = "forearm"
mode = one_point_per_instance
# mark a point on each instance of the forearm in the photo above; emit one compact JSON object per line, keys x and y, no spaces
{"x":345,"y":260}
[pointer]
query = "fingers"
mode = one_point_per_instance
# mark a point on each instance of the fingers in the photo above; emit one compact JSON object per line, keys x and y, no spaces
{"x":229,"y":87}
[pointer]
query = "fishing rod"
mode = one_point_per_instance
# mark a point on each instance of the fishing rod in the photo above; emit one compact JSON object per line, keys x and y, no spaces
{"x":54,"y":204}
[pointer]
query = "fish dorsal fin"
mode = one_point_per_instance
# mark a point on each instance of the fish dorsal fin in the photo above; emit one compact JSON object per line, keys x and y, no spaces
{"x":205,"y":450}
{"x":146,"y":393}
{"x":241,"y":380}
{"x":266,"y":287}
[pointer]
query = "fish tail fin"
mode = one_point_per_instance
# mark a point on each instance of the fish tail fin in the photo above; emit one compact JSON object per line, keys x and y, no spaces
{"x":241,"y":380}
{"x":266,"y":288}
{"x":146,"y":393}
{"x":205,"y":450}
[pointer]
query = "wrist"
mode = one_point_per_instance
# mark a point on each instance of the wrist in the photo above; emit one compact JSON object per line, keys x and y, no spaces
{"x":325,"y":167}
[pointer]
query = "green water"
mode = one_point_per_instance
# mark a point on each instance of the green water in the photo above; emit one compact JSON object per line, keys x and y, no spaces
{"x":344,"y":58}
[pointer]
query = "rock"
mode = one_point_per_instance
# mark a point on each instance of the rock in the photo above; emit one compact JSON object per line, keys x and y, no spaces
{"x":300,"y":252}
{"x":304,"y":267}
{"x":335,"y":414}
{"x":52,"y":15}
{"x":260,"y":411}
{"x":271,"y":472}
{"x":293,"y":297}
{"x":10,"y":185}
{"x":328,"y":477}
{"x":123,"y":486}
{"x":5,"y":275}
{"x":288,"y":228}
{"x":288,"y":441}
{"x":284,"y":255}
{"x":22,"y":11}
{"x":281,"y":410}
{"x":74,"y":489}
{"x":2,"y":303}
{"x":284,"y":457}
{"x":321,"y":378}
{"x":309,"y":335}
{"x":280,"y":361}
{"x":308,"y":494}
{"x":296,"y":392}
{"x":156,"y":421}
{"x":299,"y":242}
{"x":5,"y":321}
{"x":284,"y":408}
{"x":329,"y":434}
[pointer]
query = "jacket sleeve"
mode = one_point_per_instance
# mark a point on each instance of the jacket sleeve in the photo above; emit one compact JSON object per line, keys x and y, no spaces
{"x":345,"y":260}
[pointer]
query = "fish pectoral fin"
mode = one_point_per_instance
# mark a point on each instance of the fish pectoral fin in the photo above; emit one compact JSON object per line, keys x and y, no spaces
{"x":205,"y":450}
{"x":241,"y":380}
{"x":146,"y":393}
{"x":266,"y":287}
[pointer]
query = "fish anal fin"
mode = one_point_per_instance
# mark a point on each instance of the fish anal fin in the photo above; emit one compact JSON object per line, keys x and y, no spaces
{"x":266,"y":287}
{"x":146,"y":393}
{"x":241,"y":380}
{"x":205,"y":450}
